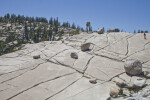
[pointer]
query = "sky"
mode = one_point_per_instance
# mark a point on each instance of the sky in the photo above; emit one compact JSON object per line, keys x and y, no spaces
{"x":128,"y":15}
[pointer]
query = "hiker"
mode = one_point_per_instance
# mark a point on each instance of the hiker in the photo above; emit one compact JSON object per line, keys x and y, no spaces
{"x":144,"y":36}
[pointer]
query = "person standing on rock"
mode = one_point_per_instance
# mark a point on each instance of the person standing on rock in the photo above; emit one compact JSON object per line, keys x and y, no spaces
{"x":144,"y":36}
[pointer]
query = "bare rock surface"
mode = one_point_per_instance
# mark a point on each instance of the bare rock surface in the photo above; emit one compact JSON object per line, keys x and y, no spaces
{"x":57,"y":76}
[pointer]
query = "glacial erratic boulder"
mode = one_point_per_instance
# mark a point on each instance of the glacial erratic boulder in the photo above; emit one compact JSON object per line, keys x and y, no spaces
{"x":85,"y":46}
{"x":133,"y":67}
{"x":100,"y":31}
{"x":74,"y":55}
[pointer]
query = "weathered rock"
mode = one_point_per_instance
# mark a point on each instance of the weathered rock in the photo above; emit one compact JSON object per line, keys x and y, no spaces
{"x":146,"y":74}
{"x":126,"y":92}
{"x":125,"y":77}
{"x":100,"y":31}
{"x":145,"y":93}
{"x":74,"y":55}
{"x":133,"y":67}
{"x":139,"y":83}
{"x":114,"y":91}
{"x":119,"y":82}
{"x":93,"y":80}
{"x":85,"y":46}
{"x":36,"y":57}
{"x":136,"y":82}
{"x":62,"y":41}
{"x":132,"y":98}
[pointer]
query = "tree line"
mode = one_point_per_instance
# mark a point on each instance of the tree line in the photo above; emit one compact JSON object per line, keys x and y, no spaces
{"x":21,"y":19}
{"x":35,"y":29}
{"x":30,"y":23}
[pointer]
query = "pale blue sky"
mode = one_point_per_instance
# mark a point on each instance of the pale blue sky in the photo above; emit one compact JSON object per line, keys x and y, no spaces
{"x":123,"y":14}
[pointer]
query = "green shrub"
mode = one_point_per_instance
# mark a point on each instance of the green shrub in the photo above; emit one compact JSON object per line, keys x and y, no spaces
{"x":74,"y":32}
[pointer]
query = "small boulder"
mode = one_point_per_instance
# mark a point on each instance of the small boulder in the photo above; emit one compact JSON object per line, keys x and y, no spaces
{"x":74,"y":55}
{"x":85,"y":46}
{"x":114,"y":91}
{"x":100,"y":31}
{"x":36,"y":57}
{"x":146,"y":93}
{"x":146,"y":74}
{"x":62,"y":41}
{"x":133,"y":67}
{"x":93,"y":80}
{"x":119,"y":82}
{"x":126,"y":92}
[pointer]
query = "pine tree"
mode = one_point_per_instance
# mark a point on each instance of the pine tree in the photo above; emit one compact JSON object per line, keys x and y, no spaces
{"x":26,"y":32}
{"x":139,"y":31}
{"x":142,"y":31}
{"x":73,"y":26}
{"x":90,"y":28}
{"x":116,"y":30}
{"x":134,"y":31}
{"x":88,"y":24}
{"x":7,"y":15}
{"x":103,"y":29}
{"x":50,"y":35}
{"x":51,"y":21}
{"x":146,"y":31}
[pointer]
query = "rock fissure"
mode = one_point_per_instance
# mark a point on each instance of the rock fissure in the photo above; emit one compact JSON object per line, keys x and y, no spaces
{"x":63,"y":89}
{"x":21,"y":73}
{"x":59,"y":63}
{"x":114,"y":42}
{"x":102,"y":72}
{"x":109,"y":58}
{"x":127,"y":47}
{"x":85,"y":68}
{"x":37,"y":85}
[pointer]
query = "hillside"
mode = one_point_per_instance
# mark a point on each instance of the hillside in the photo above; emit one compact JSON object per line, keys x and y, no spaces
{"x":16,"y":30}
{"x":57,"y":76}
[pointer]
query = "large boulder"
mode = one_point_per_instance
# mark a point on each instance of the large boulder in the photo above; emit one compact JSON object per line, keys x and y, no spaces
{"x":133,"y":67}
{"x":100,"y":31}
{"x":85,"y":46}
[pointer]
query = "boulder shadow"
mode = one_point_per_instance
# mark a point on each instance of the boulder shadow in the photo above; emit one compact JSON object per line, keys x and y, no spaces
{"x":88,"y":50}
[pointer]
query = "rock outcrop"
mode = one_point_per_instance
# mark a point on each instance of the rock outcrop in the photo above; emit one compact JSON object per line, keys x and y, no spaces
{"x":56,"y":76}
